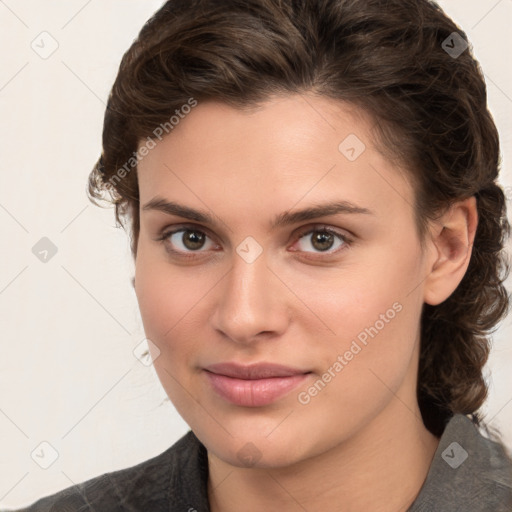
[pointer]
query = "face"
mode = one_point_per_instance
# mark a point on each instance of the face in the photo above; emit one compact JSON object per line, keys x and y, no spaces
{"x":295,"y":245}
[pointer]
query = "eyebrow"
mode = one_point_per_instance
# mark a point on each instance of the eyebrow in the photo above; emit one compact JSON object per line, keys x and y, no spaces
{"x":283,"y":219}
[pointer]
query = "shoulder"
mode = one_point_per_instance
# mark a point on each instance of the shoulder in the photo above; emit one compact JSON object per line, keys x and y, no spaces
{"x":148,"y":485}
{"x":471,"y":470}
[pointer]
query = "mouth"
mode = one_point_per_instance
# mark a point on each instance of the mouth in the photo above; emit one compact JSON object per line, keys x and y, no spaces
{"x":254,"y":385}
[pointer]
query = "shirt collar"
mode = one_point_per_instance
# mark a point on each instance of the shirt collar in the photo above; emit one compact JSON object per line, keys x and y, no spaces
{"x":465,"y":463}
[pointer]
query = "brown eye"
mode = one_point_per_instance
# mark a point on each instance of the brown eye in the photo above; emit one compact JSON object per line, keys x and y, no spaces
{"x":186,"y":240}
{"x":322,"y":241}
{"x":193,"y":240}
{"x":318,"y":240}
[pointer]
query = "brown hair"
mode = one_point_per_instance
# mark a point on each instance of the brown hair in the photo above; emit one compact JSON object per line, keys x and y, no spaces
{"x":386,"y":57}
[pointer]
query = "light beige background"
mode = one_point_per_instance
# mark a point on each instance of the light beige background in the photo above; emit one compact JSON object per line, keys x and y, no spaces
{"x":68,"y":376}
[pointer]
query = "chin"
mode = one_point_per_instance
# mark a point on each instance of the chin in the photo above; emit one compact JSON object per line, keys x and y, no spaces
{"x":254,"y":448}
{"x":257,"y":456}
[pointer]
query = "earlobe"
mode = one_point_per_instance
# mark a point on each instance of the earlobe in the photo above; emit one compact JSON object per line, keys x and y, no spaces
{"x":452,"y":242}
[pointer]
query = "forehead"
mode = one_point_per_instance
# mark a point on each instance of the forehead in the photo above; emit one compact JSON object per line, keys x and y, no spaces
{"x":280,"y":128}
{"x":289,"y":149}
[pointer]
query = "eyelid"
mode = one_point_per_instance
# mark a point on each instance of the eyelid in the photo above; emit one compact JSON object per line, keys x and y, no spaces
{"x":323,"y":227}
{"x":183,"y":227}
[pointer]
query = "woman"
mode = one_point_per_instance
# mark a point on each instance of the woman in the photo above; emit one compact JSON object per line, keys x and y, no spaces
{"x":311,"y":188}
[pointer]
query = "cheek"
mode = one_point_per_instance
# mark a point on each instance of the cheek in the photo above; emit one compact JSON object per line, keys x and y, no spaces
{"x":370,"y":326}
{"x":156,"y":301}
{"x":162,"y":298}
{"x":373,"y":311}
{"x":165,"y":293}
{"x":172,"y":304}
{"x":166,"y":303}
{"x":363,"y":367}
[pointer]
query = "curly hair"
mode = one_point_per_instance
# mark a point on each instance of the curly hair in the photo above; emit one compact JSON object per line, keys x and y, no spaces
{"x":389,"y":59}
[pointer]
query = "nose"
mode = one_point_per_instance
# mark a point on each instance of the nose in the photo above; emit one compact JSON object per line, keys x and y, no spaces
{"x":252,"y":302}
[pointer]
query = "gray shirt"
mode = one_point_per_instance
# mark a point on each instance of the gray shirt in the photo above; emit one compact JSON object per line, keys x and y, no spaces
{"x":469,"y":473}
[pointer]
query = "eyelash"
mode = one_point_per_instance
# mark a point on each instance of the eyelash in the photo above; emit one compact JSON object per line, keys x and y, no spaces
{"x":347,"y":242}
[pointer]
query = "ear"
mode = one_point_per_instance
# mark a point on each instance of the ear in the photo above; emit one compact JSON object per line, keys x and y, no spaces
{"x":451,"y":244}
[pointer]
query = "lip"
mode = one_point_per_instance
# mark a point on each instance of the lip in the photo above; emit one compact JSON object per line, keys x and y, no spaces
{"x":254,"y":371}
{"x":255,"y":385}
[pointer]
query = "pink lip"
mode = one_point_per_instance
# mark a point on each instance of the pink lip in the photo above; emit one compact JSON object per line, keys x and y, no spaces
{"x":255,"y":385}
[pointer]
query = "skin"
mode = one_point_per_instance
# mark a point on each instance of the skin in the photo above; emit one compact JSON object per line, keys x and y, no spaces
{"x":359,"y":443}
